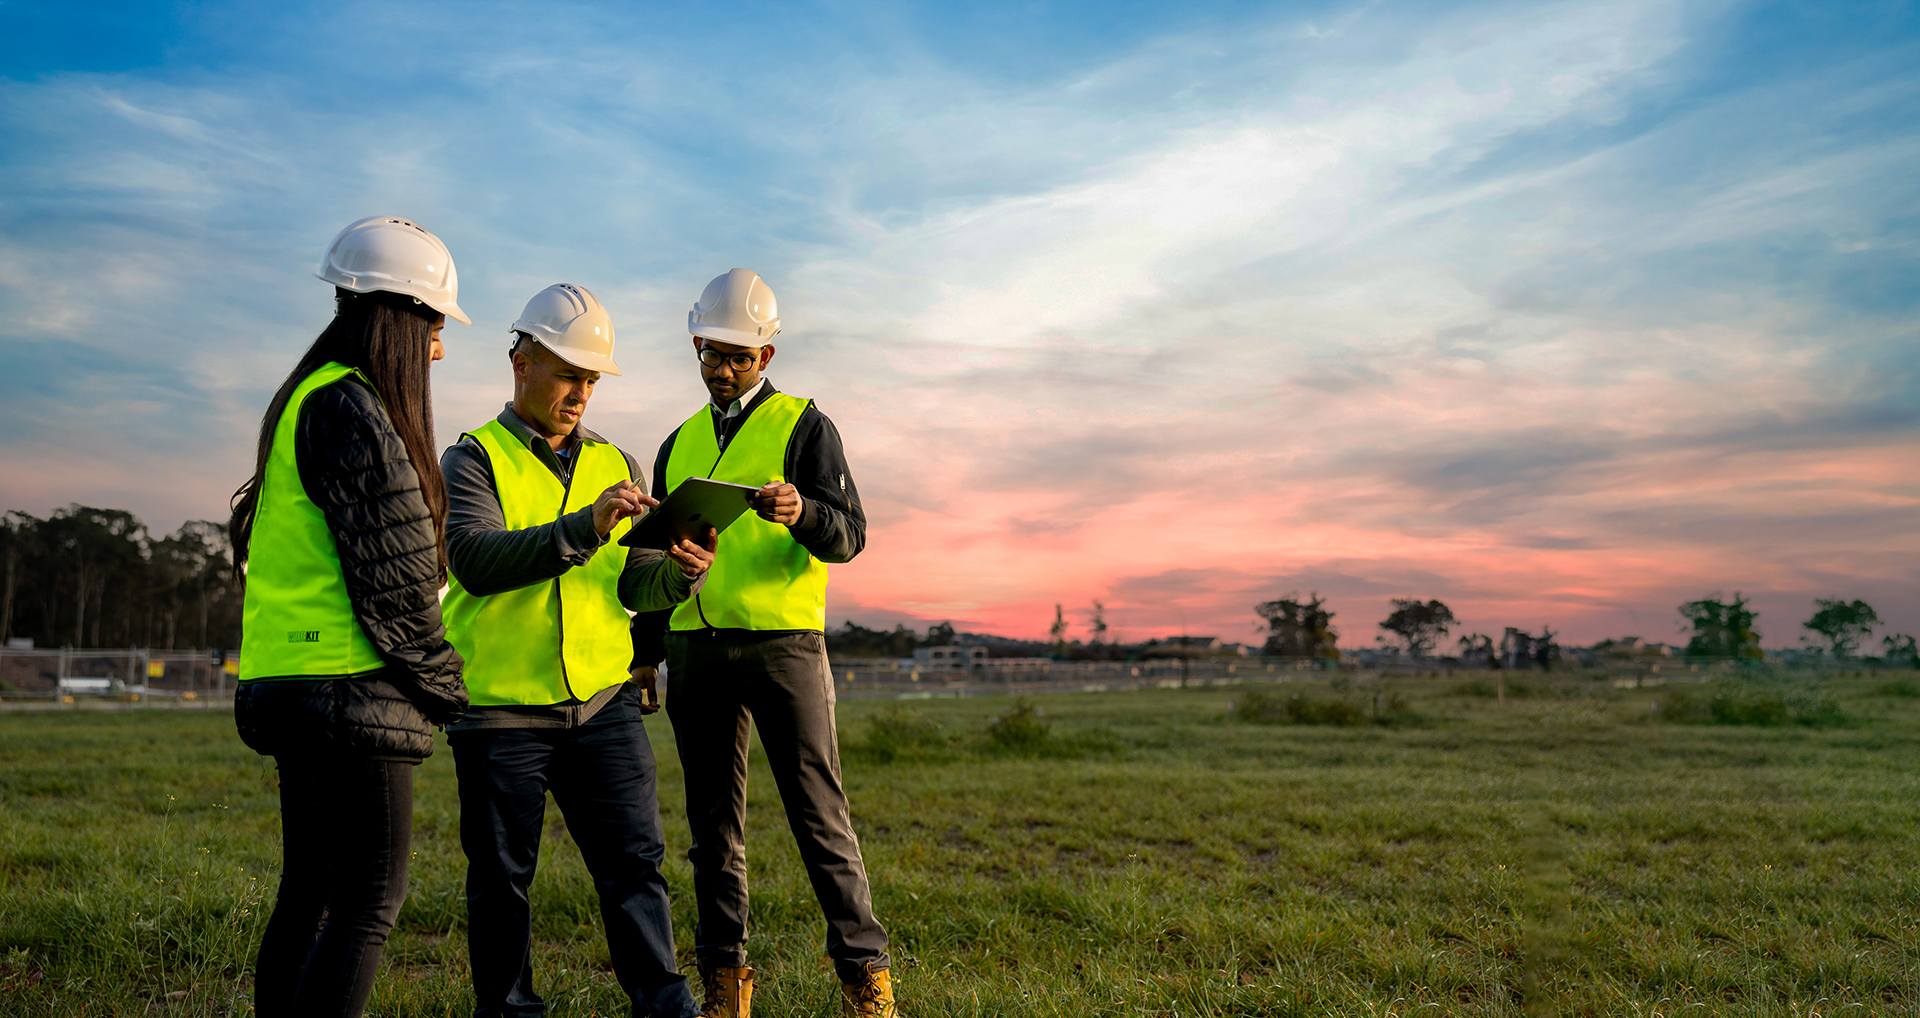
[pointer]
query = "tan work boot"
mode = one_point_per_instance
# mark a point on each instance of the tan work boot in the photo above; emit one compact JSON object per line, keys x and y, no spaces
{"x":870,"y":998}
{"x":729,"y":991}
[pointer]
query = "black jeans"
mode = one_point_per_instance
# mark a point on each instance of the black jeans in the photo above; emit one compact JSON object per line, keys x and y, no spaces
{"x":602,"y":776}
{"x":715,"y":686}
{"x":346,"y":824}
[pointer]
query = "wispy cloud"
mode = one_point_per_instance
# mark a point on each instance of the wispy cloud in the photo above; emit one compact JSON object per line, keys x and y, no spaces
{"x":1563,"y":313}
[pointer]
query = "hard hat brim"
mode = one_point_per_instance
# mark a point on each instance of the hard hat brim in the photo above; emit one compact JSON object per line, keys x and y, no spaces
{"x":735,"y":337}
{"x":445,"y":307}
{"x":582,"y":359}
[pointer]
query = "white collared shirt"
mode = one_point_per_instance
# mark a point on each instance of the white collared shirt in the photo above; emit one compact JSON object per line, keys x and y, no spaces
{"x":740,"y":403}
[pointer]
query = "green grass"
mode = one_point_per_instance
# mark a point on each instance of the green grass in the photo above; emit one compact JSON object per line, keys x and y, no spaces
{"x":1143,"y":854}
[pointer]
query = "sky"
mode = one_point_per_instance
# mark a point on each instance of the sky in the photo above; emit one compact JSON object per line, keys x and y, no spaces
{"x":1563,"y":314}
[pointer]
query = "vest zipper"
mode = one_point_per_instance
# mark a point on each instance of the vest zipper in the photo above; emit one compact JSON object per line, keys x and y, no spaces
{"x":559,"y":600}
{"x":722,"y":443}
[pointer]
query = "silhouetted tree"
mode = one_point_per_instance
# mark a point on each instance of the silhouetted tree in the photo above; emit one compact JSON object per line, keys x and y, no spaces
{"x":1722,"y":628}
{"x":1099,"y":622}
{"x":1297,"y":628}
{"x":1842,"y":624}
{"x":854,"y":640}
{"x":1059,"y":630}
{"x":1545,"y":651}
{"x":1479,"y":645}
{"x":1899,"y":649}
{"x":13,"y":539}
{"x":1418,"y":624}
{"x":86,"y":576}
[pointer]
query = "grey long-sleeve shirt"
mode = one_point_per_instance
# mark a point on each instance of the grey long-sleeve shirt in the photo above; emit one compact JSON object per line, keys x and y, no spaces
{"x":488,"y":558}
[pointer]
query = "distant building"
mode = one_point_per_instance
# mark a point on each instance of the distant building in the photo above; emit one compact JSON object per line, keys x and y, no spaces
{"x":1626,"y":648}
{"x":1003,"y":665}
{"x":1192,"y":646}
{"x":948,"y":657}
{"x":1516,"y":649}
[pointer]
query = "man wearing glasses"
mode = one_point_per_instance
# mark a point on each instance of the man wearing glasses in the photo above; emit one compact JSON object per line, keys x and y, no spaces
{"x":751,"y":645}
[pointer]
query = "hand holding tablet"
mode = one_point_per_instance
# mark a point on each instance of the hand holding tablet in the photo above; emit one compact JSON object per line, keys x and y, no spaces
{"x":697,"y":505}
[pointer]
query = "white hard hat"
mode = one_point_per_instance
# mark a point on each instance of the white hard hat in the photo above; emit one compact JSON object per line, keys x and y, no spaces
{"x":736,"y":308}
{"x":396,"y":255}
{"x":568,"y":320}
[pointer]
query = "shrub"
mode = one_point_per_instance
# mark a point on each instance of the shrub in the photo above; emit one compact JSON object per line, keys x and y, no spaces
{"x":1903,"y":687}
{"x":1021,"y":728}
{"x":895,"y":733}
{"x":1487,"y":688}
{"x":1729,"y":707}
{"x":1260,"y":706}
{"x":1303,"y":710}
{"x":1267,"y":707}
{"x":1735,"y":703}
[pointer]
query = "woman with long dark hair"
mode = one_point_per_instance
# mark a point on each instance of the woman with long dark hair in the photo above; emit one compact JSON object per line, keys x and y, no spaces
{"x":344,"y":663}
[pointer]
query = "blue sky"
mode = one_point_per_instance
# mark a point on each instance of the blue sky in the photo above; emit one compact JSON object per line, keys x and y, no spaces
{"x":1560,"y":312}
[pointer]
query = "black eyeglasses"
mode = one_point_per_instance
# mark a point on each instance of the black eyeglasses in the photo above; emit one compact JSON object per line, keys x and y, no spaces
{"x":737,"y":361}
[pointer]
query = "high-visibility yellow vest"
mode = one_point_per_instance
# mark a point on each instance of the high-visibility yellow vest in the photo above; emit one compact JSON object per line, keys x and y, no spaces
{"x":761,"y":578}
{"x":297,"y":622}
{"x":562,"y":638}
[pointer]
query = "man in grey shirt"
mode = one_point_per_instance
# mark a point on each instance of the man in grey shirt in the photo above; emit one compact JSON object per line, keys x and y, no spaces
{"x":489,"y":559}
{"x":539,"y":608}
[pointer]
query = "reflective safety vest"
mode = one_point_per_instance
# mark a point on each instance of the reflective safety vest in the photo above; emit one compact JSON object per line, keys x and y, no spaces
{"x":297,"y":621}
{"x":761,"y":578}
{"x":562,"y":638}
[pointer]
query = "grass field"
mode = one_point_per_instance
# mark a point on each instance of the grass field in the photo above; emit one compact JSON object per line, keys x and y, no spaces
{"x":1149,"y":854}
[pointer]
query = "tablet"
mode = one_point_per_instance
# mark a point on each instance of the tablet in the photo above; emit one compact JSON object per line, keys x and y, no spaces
{"x":698,"y":503}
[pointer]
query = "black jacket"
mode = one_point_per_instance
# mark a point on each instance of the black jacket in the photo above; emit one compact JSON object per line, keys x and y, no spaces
{"x":832,"y":526}
{"x":355,"y":468}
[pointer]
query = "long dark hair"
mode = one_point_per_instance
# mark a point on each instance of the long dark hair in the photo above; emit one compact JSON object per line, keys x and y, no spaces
{"x":389,"y":337}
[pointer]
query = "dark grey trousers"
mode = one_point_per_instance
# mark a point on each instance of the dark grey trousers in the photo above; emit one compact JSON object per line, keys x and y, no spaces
{"x":716,"y":683}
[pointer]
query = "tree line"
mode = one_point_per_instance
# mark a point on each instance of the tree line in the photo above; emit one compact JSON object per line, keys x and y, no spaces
{"x":91,"y":577}
{"x":1719,"y":627}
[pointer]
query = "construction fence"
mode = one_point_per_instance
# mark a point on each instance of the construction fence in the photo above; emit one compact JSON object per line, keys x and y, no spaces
{"x":125,"y":678}
{"x":94,"y":676}
{"x":858,"y":679}
{"x":151,"y":678}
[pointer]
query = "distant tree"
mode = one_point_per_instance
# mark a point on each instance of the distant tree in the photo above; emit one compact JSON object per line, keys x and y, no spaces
{"x":215,"y":598}
{"x":1843,"y":625}
{"x":95,"y":577}
{"x":1418,"y":624}
{"x":1059,"y":630}
{"x":103,"y":550}
{"x":939,"y":636}
{"x":1297,"y":628}
{"x":1099,"y":622}
{"x":15,"y":530}
{"x":1722,"y":628}
{"x":857,"y":641}
{"x":1899,"y":649}
{"x":1479,"y":645}
{"x":1545,"y":651}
